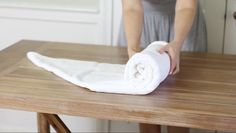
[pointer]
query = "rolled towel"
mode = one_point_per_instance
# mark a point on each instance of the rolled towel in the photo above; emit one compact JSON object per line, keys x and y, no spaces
{"x":141,"y":75}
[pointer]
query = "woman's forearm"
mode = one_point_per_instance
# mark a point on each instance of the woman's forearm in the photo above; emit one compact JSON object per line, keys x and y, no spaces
{"x":133,"y":21}
{"x":185,"y":13}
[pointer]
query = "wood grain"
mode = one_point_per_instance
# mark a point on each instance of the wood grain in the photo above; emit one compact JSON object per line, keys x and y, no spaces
{"x":202,"y":95}
{"x":43,"y":125}
{"x":57,"y":123}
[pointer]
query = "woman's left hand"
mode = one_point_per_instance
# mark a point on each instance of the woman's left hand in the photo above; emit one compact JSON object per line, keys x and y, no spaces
{"x":173,"y":49}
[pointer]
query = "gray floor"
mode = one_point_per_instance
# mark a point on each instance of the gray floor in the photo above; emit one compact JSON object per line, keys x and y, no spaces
{"x":117,"y":126}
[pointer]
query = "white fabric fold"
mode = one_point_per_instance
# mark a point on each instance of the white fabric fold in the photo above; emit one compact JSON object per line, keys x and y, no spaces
{"x":141,"y":75}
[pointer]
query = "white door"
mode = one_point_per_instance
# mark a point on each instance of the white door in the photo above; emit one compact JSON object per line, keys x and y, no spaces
{"x":215,"y":20}
{"x":230,"y":31}
{"x":117,"y":14}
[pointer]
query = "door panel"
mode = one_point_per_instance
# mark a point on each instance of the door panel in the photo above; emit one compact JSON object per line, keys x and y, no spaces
{"x":215,"y":21}
{"x":230,"y":31}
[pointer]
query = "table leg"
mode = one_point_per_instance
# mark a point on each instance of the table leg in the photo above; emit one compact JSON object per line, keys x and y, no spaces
{"x":43,"y":124}
{"x":149,"y":128}
{"x":57,"y":123}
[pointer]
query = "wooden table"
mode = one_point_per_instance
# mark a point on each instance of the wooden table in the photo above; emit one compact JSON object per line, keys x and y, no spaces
{"x":202,"y":95}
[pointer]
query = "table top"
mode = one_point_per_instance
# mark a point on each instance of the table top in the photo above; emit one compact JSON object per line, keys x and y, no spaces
{"x":202,"y":95}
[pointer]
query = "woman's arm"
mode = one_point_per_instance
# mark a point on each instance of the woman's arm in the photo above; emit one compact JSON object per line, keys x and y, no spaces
{"x":133,"y":21}
{"x":185,"y":12}
{"x":184,"y":16}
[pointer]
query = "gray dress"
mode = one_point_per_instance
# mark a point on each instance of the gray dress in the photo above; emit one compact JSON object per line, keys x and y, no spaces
{"x":159,"y":26}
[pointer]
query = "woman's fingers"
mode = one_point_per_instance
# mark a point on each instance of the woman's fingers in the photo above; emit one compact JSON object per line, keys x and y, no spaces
{"x":174,"y":69}
{"x":173,"y":66}
{"x":163,"y":49}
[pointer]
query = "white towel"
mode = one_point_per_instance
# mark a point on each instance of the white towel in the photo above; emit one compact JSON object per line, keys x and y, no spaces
{"x":141,"y":75}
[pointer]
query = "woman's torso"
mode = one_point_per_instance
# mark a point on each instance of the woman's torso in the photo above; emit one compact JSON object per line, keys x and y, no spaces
{"x":164,"y":6}
{"x":158,"y":2}
{"x":159,"y":25}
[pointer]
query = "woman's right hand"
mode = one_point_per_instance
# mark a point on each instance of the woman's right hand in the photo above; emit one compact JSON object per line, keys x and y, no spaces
{"x":173,"y":49}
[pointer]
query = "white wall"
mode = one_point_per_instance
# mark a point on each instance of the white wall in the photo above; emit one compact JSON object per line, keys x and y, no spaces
{"x":79,"y":24}
{"x":21,"y":121}
{"x":92,"y":25}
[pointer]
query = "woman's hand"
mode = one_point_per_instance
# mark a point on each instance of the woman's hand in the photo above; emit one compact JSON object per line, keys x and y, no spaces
{"x":173,"y":49}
